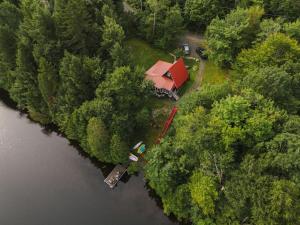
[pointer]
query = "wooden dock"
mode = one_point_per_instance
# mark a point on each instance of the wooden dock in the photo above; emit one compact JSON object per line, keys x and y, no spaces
{"x":115,"y":175}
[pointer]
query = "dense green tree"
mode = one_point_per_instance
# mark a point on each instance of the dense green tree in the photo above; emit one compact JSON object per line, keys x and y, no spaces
{"x":210,"y":150}
{"x":267,"y":182}
{"x":227,"y":37}
{"x":25,"y":90}
{"x":48,"y":63}
{"x":112,"y":33}
{"x":248,"y":3}
{"x":47,"y":81}
{"x":268,"y":27}
{"x":98,"y":139}
{"x":118,"y":149}
{"x":166,"y":169}
{"x":288,"y":9}
{"x":293,"y":29}
{"x":76,"y":128}
{"x":119,"y":55}
{"x":9,"y":22}
{"x":43,"y":35}
{"x":77,"y":31}
{"x":156,"y":7}
{"x":206,"y":97}
{"x":277,"y":50}
{"x":124,"y":88}
{"x":272,"y":82}
{"x":200,"y":12}
{"x":15,"y":2}
{"x":172,"y":27}
{"x":107,"y":11}
{"x":203,"y":192}
{"x":161,"y":23}
{"x":178,"y":201}
{"x":292,"y":125}
{"x":77,"y":81}
{"x":274,"y":71}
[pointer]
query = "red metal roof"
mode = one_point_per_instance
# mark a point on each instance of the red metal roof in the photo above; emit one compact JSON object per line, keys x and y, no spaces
{"x":158,"y":71}
{"x":179,"y":73}
{"x":159,"y":68}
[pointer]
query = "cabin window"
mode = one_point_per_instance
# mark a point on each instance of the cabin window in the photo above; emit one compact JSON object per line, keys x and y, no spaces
{"x":168,"y":74}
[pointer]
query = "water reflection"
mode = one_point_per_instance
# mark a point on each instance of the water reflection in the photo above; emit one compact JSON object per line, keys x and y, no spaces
{"x":47,"y":180}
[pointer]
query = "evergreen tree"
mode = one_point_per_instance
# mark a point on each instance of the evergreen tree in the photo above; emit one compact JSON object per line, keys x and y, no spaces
{"x":199,"y":13}
{"x":76,"y":29}
{"x":78,"y":77}
{"x":9,"y":22}
{"x":47,"y":80}
{"x":98,"y":140}
{"x":112,"y":33}
{"x":118,"y":149}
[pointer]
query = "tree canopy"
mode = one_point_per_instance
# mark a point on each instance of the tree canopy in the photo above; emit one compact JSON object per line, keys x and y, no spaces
{"x":66,"y":63}
{"x":227,"y":155}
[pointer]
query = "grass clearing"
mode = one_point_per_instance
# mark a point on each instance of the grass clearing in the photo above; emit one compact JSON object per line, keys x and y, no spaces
{"x":161,"y":108}
{"x":214,"y":74}
{"x":145,"y":55}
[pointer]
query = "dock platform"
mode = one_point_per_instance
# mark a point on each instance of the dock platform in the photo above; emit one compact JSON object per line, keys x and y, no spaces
{"x":115,"y":175}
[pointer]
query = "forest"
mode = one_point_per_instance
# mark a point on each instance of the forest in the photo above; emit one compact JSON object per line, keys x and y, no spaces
{"x":232,"y":155}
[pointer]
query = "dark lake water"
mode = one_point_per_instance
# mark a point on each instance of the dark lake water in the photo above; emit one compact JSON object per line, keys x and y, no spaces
{"x":46,"y":181}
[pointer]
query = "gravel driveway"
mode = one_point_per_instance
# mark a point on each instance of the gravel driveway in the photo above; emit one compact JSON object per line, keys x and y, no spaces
{"x":193,"y":40}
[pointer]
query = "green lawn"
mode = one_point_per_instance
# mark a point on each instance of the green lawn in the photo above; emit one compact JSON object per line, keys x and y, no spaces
{"x":161,"y":108}
{"x":214,"y":74}
{"x":145,"y":55}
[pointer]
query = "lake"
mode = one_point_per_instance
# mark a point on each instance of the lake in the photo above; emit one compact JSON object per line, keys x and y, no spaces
{"x":46,"y":181}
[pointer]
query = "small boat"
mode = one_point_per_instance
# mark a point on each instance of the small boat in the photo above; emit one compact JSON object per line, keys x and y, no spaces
{"x":137,"y":145}
{"x":141,"y":149}
{"x":132,"y":157}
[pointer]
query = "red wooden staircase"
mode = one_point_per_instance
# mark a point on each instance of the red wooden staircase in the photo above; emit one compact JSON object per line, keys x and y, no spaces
{"x":167,"y":124}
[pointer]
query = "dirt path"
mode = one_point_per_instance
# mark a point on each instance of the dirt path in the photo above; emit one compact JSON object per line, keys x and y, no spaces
{"x":194,"y":41}
{"x":199,"y":77}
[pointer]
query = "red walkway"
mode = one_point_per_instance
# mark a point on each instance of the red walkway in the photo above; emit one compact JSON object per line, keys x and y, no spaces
{"x":167,"y":124}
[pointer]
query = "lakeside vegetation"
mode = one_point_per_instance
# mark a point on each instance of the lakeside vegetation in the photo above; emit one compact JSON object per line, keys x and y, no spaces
{"x":232,"y":154}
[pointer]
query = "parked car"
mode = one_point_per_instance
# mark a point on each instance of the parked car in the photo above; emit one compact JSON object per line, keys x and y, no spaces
{"x":201,"y":52}
{"x":186,"y":49}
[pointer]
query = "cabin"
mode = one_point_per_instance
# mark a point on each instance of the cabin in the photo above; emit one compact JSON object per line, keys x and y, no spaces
{"x":168,"y":78}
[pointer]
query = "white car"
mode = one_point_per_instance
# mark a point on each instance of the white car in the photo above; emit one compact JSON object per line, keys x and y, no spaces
{"x":186,"y":49}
